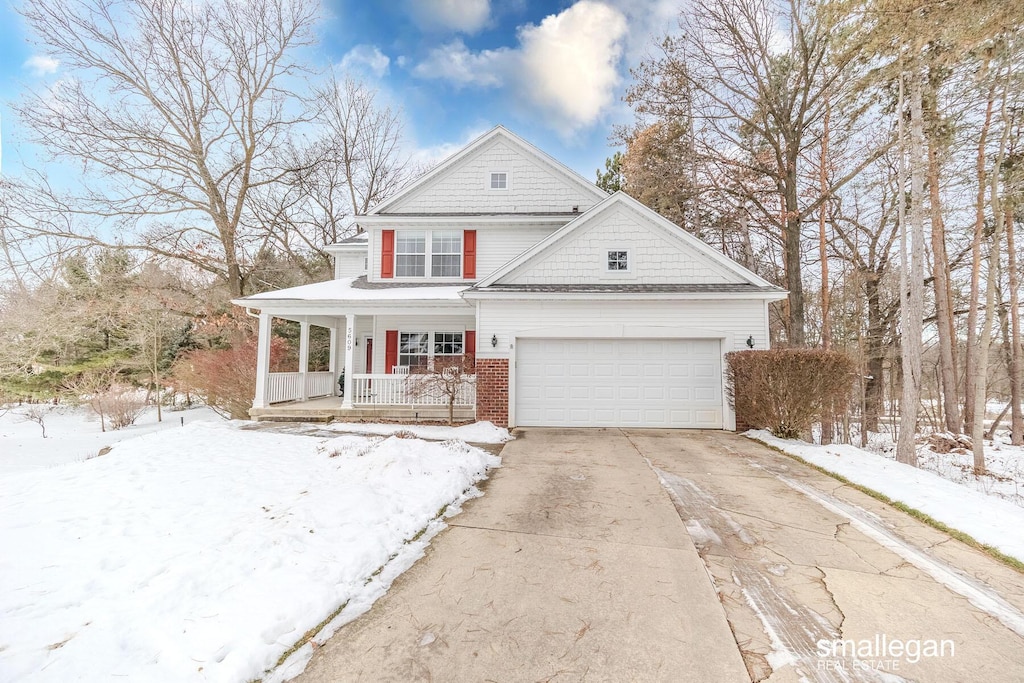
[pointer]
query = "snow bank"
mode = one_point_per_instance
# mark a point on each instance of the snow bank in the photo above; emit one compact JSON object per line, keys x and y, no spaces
{"x":203,"y":553}
{"x":478,"y":432}
{"x":989,"y":519}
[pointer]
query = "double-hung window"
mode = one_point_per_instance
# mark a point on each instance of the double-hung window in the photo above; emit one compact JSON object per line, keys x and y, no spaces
{"x":410,"y":253}
{"x":447,"y":344}
{"x":446,"y":253}
{"x":428,"y":253}
{"x":414,"y":349}
{"x":418,"y":350}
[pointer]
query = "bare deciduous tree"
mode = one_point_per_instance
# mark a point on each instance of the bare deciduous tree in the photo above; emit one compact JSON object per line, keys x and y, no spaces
{"x":177,"y":112}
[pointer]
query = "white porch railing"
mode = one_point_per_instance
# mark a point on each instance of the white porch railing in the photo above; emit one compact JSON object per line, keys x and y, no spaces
{"x":405,"y":390}
{"x":287,"y":386}
{"x":320,"y":384}
{"x":284,"y":386}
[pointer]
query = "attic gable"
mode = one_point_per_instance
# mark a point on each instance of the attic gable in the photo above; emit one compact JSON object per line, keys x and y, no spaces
{"x":659,"y":253}
{"x":535,"y":183}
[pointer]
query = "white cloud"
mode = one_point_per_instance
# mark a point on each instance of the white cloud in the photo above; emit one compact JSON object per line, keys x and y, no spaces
{"x":570,"y":62}
{"x":41,"y":65}
{"x":464,"y":16}
{"x":454,"y":62}
{"x":367,"y":58}
{"x":567,"y":66}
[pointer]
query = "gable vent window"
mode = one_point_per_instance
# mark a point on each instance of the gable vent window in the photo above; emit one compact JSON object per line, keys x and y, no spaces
{"x":499,"y":181}
{"x":618,"y":260}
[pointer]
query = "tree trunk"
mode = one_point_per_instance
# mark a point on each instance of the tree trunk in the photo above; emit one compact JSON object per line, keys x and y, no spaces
{"x":943,"y":303}
{"x":913,"y":293}
{"x":874,"y":391}
{"x":826,"y":325}
{"x":1016,"y":418}
{"x":979,"y":229}
{"x":985,"y":341}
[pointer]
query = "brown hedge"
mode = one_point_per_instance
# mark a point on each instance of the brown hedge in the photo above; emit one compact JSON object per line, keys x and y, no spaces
{"x":788,"y":390}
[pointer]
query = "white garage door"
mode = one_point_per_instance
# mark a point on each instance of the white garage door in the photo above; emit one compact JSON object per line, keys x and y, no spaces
{"x":619,"y":383}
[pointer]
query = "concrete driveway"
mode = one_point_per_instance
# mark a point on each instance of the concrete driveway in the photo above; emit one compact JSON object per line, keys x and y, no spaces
{"x":662,"y":555}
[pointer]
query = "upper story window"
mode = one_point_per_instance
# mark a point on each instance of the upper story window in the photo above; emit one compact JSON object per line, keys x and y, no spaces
{"x":618,"y":260}
{"x":442,"y":254}
{"x":499,"y":180}
{"x":446,"y":253}
{"x":410,"y":253}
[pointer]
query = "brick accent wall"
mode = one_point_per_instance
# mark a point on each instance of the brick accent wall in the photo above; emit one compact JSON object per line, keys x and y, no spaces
{"x":492,"y":390}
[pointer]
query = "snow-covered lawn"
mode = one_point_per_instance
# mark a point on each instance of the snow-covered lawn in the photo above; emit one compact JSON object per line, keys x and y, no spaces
{"x":72,"y":435}
{"x":204,"y":552}
{"x":990,"y":519}
{"x":1004,"y":462}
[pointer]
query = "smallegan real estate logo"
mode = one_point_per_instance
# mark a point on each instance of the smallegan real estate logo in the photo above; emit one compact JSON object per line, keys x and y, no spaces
{"x":880,"y":653}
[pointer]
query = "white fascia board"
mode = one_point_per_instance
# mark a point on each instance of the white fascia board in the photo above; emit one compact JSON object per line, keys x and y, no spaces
{"x":284,"y":308}
{"x":350,"y":246}
{"x":402,"y":219}
{"x":476,"y":295}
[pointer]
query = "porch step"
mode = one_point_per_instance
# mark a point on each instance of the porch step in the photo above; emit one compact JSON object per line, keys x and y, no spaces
{"x":297,"y":412}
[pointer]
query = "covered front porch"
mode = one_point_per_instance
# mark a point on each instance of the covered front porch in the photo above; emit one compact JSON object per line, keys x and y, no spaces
{"x":382,"y":340}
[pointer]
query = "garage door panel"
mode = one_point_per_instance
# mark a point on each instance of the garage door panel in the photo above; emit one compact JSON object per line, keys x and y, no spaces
{"x":625,"y":382}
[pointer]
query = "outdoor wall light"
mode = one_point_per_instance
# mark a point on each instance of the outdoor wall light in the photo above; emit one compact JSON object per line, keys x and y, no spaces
{"x":750,"y":341}
{"x":494,"y":340}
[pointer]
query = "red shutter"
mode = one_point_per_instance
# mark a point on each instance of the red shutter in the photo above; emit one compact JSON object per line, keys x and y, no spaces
{"x":469,"y":254}
{"x":390,"y":348}
{"x":387,"y":255}
{"x":470,"y":346}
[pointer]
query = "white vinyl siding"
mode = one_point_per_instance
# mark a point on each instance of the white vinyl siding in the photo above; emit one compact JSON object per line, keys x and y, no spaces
{"x":533,"y":187}
{"x":654,"y":256}
{"x":570,"y":382}
{"x":736,"y":318}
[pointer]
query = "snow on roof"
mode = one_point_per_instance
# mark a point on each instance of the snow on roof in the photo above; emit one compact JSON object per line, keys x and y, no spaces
{"x":348,"y":289}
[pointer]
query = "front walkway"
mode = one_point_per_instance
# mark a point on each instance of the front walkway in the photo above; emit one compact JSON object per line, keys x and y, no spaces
{"x":573,"y":565}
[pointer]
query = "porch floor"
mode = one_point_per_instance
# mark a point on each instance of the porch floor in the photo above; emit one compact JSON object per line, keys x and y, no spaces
{"x":329,"y":409}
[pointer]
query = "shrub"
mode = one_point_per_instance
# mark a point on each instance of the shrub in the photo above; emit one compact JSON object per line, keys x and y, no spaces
{"x":225,"y":378}
{"x":787,"y":390}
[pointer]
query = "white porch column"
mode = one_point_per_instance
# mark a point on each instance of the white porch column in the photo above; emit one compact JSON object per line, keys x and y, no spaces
{"x":303,"y":359}
{"x":350,"y":342}
{"x":262,"y":362}
{"x":332,"y":363}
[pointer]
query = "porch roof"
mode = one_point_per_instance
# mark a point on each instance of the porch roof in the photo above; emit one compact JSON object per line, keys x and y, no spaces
{"x":356,"y":292}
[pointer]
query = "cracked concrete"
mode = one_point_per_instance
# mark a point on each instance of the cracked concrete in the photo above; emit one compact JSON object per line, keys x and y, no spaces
{"x":661,"y":555}
{"x":837,"y":576}
{"x":574,"y":566}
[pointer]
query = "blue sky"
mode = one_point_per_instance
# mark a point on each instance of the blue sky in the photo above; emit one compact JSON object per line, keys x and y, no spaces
{"x":554,"y":72}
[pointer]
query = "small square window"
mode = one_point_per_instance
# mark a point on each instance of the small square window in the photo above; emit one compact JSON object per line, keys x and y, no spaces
{"x":618,"y":260}
{"x":499,"y":181}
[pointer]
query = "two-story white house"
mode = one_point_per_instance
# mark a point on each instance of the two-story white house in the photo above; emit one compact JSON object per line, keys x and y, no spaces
{"x":581,"y":308}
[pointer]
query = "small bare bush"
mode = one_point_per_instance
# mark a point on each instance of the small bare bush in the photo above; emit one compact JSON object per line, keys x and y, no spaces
{"x":35,"y":413}
{"x":404,"y":434}
{"x":447,"y":380}
{"x":115,"y":403}
{"x":787,"y":390}
{"x":123,"y":405}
